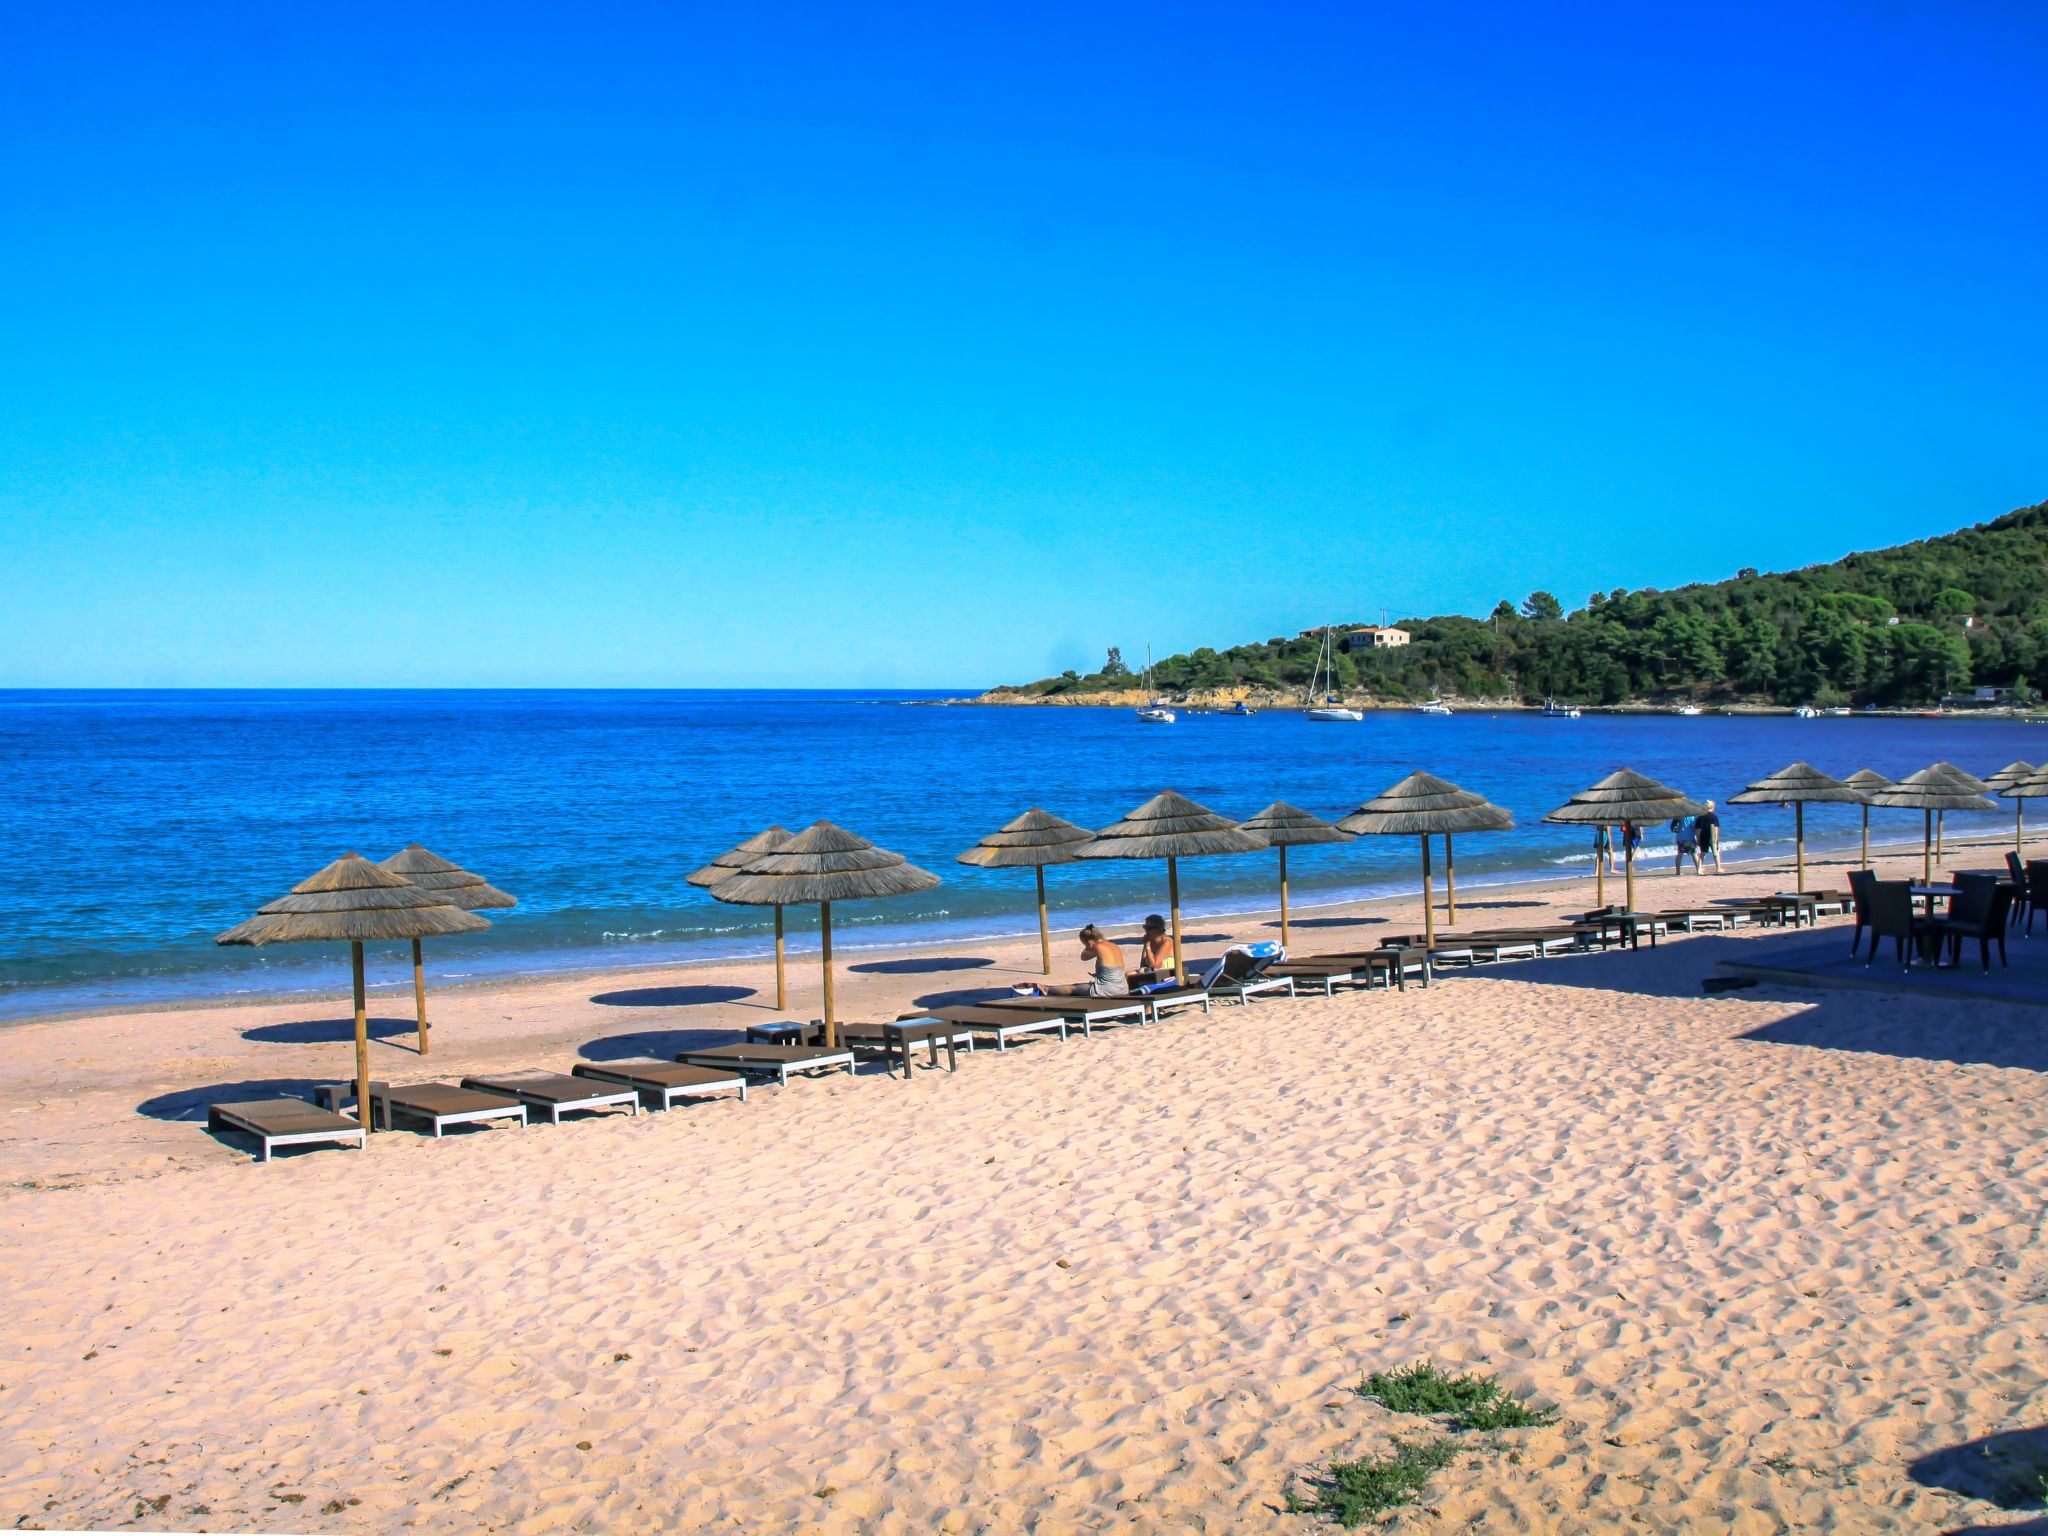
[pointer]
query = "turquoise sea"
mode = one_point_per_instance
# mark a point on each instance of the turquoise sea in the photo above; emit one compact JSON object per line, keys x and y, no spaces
{"x":139,"y":824}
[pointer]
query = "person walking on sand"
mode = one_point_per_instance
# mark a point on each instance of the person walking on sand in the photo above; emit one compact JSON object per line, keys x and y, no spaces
{"x":1603,"y":850}
{"x":1111,"y":979}
{"x":1706,"y":830}
{"x":1681,"y":842}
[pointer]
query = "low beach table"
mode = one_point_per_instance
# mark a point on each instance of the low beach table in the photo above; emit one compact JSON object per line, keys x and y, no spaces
{"x":895,"y":1038}
{"x":1397,"y":960}
{"x":990,"y":1019}
{"x":1797,"y":910}
{"x":776,"y":1061}
{"x":554,"y":1092}
{"x":284,"y":1123}
{"x":439,"y":1104}
{"x":664,"y":1082}
{"x":1089,"y":1011}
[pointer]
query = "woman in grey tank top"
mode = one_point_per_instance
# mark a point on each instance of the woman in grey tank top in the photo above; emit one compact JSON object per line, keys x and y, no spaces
{"x":1111,"y":978}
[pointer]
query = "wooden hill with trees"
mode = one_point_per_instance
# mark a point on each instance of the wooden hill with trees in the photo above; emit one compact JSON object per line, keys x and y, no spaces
{"x":1893,"y":627}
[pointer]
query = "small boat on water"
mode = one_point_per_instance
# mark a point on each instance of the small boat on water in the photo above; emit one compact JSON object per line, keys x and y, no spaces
{"x":1690,"y":709}
{"x":1237,"y":709}
{"x":1552,"y":710}
{"x":1157,"y":712}
{"x":1806,"y":712}
{"x":1325,"y":676}
{"x":1839,"y":709}
{"x":1433,"y":707}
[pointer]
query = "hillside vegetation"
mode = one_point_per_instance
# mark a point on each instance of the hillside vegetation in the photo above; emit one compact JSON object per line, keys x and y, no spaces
{"x":1895,"y":626}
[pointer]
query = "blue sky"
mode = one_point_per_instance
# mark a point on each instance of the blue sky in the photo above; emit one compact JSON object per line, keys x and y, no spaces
{"x":946,"y":345}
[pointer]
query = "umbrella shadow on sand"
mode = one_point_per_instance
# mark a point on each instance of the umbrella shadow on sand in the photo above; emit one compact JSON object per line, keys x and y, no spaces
{"x":920,"y":967}
{"x":1328,"y":922}
{"x":190,"y":1103}
{"x":660,"y":1044}
{"x":328,"y":1031}
{"x":1819,"y":1018}
{"x":2005,"y":1469}
{"x":671,"y":997}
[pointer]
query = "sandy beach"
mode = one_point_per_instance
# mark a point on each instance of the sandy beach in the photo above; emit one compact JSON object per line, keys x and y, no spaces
{"x":1762,"y":1252}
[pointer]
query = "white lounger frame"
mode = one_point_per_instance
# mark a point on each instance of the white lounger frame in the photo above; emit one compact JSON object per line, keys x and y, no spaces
{"x":779,"y":1070}
{"x":217,"y":1117}
{"x":663,"y":1092}
{"x":441,"y":1122}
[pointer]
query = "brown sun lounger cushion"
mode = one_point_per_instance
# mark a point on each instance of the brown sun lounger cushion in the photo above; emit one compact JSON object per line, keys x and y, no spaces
{"x":666,"y":1081}
{"x":552,"y":1087}
{"x":283,"y":1123}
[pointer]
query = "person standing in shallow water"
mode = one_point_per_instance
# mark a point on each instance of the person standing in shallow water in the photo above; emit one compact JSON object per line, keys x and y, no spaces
{"x":1111,"y":979}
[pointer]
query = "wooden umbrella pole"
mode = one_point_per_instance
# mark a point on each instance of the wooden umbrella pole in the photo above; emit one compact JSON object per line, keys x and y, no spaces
{"x":1866,"y":837}
{"x":362,"y":1041}
{"x":1927,"y":851}
{"x":419,"y":993}
{"x":2019,"y":828}
{"x":1428,"y":899}
{"x":1044,"y":932}
{"x":825,"y":931}
{"x":1799,"y":841}
{"x":1450,"y":886}
{"x":1628,"y":862}
{"x":781,"y":982}
{"x":1940,"y":834}
{"x":1283,"y":895}
{"x":1173,"y":899}
{"x":1599,"y":871}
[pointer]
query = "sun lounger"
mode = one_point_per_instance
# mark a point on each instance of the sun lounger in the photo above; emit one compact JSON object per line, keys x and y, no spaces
{"x":1693,"y":919}
{"x":1004,"y":1022}
{"x":660,"y":1081}
{"x":283,"y":1123}
{"x":776,"y":1061}
{"x":439,"y":1104}
{"x":553,"y":1092}
{"x":1087,"y":1012}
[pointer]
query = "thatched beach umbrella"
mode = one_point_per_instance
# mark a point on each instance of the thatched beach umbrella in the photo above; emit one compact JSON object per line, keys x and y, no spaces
{"x":1624,"y":798}
{"x":730,"y":863}
{"x":1939,"y":788}
{"x":472,"y":893}
{"x":1963,"y":779}
{"x":1422,"y":804}
{"x":352,"y":901}
{"x":1283,"y":827}
{"x":822,"y":864}
{"x":1799,"y":784}
{"x":2019,"y":791}
{"x":1865,"y":780}
{"x":1172,"y":827}
{"x":1032,"y":841}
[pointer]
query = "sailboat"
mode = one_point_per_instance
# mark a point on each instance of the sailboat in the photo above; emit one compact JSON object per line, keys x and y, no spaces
{"x":1325,"y":677}
{"x":1156,"y":712}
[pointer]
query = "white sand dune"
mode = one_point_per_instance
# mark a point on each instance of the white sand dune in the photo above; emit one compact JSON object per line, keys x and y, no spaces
{"x":1761,"y":1251}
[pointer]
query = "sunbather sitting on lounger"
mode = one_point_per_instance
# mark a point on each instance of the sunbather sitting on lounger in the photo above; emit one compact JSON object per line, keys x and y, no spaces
{"x":1158,"y":952}
{"x":1111,"y":979}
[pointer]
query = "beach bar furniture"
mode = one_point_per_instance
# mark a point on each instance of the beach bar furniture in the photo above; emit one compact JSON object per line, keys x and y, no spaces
{"x":1799,"y":785}
{"x":439,"y":1104}
{"x":663,"y":1082}
{"x":284,"y":1123}
{"x":822,"y":864}
{"x":1032,"y":841}
{"x":1942,"y":787}
{"x":554,"y":1093}
{"x":776,"y":1061}
{"x":352,"y":901}
{"x":730,"y":863}
{"x":1004,"y":1023}
{"x":471,"y":893}
{"x":1172,"y":827}
{"x":1420,"y":805}
{"x":1624,"y":798}
{"x":1283,"y":827}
